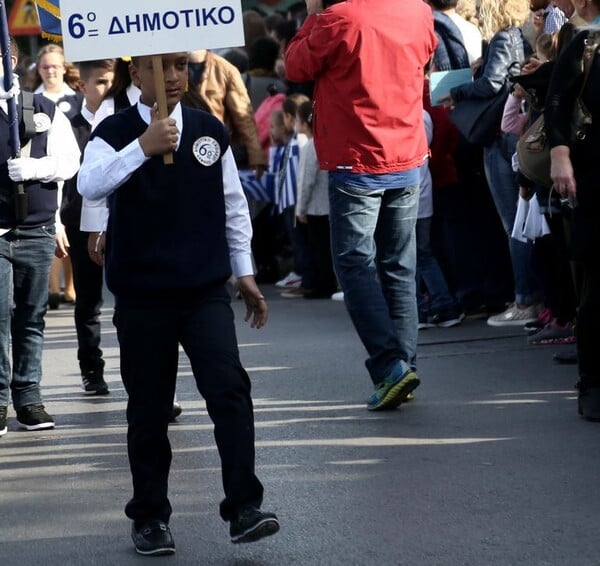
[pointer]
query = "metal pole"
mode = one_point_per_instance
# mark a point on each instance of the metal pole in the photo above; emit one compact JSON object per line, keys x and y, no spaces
{"x":11,"y":104}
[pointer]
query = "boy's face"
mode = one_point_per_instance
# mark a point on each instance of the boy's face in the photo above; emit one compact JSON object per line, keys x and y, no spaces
{"x":289,"y":120}
{"x":278,"y":134}
{"x":175,"y":69}
{"x":95,"y":87}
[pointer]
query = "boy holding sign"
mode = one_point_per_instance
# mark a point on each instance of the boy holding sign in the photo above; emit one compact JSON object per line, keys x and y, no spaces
{"x":177,"y":231}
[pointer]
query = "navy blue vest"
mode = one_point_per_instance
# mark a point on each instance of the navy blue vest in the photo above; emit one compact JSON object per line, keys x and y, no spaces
{"x":166,"y":229}
{"x":41,"y":197}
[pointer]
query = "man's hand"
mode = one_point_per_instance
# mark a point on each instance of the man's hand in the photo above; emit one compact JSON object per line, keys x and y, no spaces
{"x":314,"y":6}
{"x":62,"y":243}
{"x":22,"y":169}
{"x":256,"y":307}
{"x":302,"y":218}
{"x":161,"y":136}
{"x":447,"y":101}
{"x":96,"y":246}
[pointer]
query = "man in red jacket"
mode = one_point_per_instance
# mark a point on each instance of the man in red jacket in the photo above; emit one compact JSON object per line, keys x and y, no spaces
{"x":367,"y":59}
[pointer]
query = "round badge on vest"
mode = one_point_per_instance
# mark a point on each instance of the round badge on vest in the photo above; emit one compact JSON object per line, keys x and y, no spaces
{"x":64,"y":106}
{"x":206,"y":150}
{"x":42,"y":122}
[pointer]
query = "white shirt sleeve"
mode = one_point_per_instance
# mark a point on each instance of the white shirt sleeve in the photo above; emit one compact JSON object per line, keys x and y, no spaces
{"x":238,"y":228}
{"x":62,"y":152}
{"x":104,"y":170}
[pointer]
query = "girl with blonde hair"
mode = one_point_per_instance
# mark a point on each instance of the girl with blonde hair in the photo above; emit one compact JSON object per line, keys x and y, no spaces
{"x":501,"y":24}
{"x":53,"y":72}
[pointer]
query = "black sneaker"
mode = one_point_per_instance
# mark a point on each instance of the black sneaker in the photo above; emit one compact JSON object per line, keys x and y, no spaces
{"x":93,"y":383}
{"x":153,"y":539}
{"x":252,"y":525}
{"x":446,"y":318}
{"x":3,"y":420}
{"x":34,"y":417}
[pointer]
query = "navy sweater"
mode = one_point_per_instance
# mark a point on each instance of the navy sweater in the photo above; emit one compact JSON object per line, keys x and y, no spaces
{"x":41,"y":197}
{"x":166,"y":229}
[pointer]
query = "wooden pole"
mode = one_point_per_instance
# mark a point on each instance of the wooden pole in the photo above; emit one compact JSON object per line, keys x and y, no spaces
{"x":161,"y":97}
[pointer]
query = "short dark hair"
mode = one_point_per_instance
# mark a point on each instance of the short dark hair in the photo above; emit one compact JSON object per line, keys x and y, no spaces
{"x":14,"y":47}
{"x":443,"y":4}
{"x":86,"y":67}
{"x":263,"y":53}
{"x":292,"y":101}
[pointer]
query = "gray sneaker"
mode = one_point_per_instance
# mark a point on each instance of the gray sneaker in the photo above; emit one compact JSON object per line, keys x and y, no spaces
{"x":515,"y":316}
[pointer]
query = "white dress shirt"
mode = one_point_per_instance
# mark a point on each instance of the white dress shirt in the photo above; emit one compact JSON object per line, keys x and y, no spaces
{"x":94,"y":213}
{"x":62,"y":152}
{"x":114,"y":168}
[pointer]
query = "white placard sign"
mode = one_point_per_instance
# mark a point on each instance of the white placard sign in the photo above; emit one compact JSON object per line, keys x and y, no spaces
{"x":115,"y":28}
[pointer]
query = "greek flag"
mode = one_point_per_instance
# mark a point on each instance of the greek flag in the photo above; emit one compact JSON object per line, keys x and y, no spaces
{"x":285,"y":166}
{"x":49,"y":16}
{"x":257,"y":189}
{"x":278,"y":185}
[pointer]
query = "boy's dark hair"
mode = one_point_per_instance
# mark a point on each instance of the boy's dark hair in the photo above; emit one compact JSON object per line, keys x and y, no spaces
{"x":14,"y":47}
{"x":121,"y":79}
{"x":442,"y":5}
{"x":305,"y":112}
{"x":86,"y":67}
{"x":263,"y":53}
{"x":292,"y":101}
{"x":285,"y":31}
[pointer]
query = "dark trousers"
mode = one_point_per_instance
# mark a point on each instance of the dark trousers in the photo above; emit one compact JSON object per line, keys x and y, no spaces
{"x":87,"y":279}
{"x":588,"y":315}
{"x":324,"y":280}
{"x":149,"y":335}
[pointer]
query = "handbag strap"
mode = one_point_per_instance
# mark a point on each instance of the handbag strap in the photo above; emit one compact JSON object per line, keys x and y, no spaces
{"x":592,"y":42}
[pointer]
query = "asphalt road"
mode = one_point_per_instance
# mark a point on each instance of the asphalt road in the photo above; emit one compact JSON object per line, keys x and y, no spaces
{"x":489,"y":465}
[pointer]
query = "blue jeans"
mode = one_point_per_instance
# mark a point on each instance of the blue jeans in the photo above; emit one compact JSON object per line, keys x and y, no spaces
{"x":374,"y":255}
{"x":504,"y":187}
{"x":430,"y":272}
{"x":25,"y":259}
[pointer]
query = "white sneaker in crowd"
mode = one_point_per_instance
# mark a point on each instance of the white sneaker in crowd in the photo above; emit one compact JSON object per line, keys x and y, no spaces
{"x":515,"y":316}
{"x":339,"y":296}
{"x":290,"y":281}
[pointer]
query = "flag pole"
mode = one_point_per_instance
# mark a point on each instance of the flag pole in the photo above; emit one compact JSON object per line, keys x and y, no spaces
{"x":13,"y":122}
{"x":161,"y":97}
{"x":11,"y":104}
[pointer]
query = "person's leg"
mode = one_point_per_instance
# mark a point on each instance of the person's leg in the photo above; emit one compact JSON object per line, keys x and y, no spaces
{"x":353,"y":218}
{"x":54,"y":283}
{"x":429,"y":270}
{"x":87,"y":278}
{"x":320,"y":250}
{"x":396,"y":263}
{"x":149,"y":355}
{"x":208,"y":338}
{"x":505,"y":193}
{"x":6,"y":307}
{"x":67,"y":269}
{"x":587,"y":322}
{"x":32,"y":252}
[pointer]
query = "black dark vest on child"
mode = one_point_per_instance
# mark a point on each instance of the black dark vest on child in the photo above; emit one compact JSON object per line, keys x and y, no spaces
{"x":41,"y":197}
{"x":166,"y":228}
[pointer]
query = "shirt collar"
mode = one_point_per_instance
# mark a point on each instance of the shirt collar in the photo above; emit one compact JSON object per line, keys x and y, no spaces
{"x":176,"y":114}
{"x":85,"y":112}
